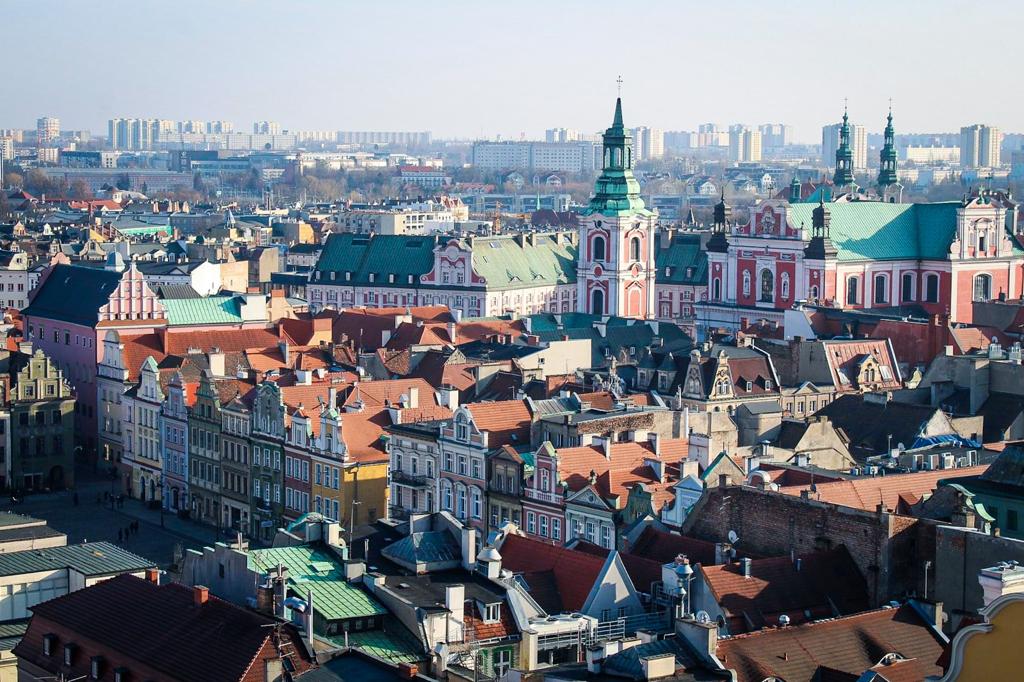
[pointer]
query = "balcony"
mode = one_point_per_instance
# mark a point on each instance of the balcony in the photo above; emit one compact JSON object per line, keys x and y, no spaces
{"x":409,"y":480}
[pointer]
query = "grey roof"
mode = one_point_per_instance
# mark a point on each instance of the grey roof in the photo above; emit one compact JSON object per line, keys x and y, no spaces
{"x":91,"y":559}
{"x":426,"y":547}
{"x":92,"y":288}
{"x":177,"y":291}
{"x":11,"y":519}
{"x":11,"y":633}
{"x":628,"y":663}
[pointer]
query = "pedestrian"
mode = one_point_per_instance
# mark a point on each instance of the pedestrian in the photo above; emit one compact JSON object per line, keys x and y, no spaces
{"x":119,"y":535}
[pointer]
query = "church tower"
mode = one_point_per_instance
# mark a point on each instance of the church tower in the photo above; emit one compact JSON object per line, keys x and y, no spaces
{"x":615,"y":270}
{"x":888,"y":182}
{"x":844,"y":156}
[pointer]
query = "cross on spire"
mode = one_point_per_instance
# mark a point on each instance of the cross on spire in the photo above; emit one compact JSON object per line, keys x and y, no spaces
{"x":890,"y":105}
{"x":618,"y":83}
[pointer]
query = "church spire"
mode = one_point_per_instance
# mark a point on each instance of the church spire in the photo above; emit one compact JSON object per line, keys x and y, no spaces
{"x":844,"y":154}
{"x":887,"y":167}
{"x":617,"y":191}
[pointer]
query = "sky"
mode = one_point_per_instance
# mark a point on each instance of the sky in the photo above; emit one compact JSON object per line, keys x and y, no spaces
{"x":513,"y":68}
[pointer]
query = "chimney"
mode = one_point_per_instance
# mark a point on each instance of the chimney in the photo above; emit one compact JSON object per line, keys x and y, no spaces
{"x":283,"y":347}
{"x":451,"y":331}
{"x":216,"y":359}
{"x":468,"y":548}
{"x":414,"y":397}
{"x":745,"y":564}
{"x":354,"y":570}
{"x":448,"y":396}
{"x":723,"y":553}
{"x":702,"y":638}
{"x":332,"y":397}
{"x":606,"y":443}
{"x":153,"y":575}
{"x":200,"y":595}
{"x":655,"y":439}
{"x":454,"y":601}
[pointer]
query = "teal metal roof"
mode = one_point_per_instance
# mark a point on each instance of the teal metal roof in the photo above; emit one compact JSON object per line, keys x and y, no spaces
{"x":209,"y":310}
{"x":684,"y":261}
{"x":90,"y":559}
{"x":381,"y":255}
{"x":875,"y":230}
{"x":396,"y":645}
{"x":311,"y":569}
{"x":504,"y":261}
{"x":510,"y":262}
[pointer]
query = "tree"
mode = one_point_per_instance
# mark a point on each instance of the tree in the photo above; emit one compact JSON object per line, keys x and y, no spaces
{"x":14,"y":180}
{"x":80,"y":190}
{"x":124,"y":182}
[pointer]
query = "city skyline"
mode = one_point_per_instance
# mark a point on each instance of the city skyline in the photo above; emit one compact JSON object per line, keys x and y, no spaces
{"x":552,"y":92}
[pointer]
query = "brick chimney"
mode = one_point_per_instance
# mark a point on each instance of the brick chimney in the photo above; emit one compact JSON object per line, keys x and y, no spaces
{"x":153,"y":575}
{"x":200,"y":595}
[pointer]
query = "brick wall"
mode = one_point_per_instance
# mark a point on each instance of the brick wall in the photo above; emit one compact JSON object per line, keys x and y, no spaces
{"x":889,"y":549}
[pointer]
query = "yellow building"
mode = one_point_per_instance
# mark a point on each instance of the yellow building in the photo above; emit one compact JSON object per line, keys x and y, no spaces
{"x":991,"y":650}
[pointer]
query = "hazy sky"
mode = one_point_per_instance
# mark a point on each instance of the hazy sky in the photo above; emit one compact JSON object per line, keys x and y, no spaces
{"x":510,"y":67}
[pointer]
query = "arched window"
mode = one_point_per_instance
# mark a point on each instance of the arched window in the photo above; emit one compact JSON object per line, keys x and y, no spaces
{"x":907,"y":288}
{"x":767,"y":286}
{"x":634,"y":248}
{"x":598,"y":248}
{"x":716,"y":289}
{"x":597,"y":302}
{"x":982,"y":287}
{"x":814,"y":292}
{"x":852,"y":290}
{"x":881,"y":284}
{"x":746,"y":282}
{"x":931,"y":288}
{"x":785,"y":286}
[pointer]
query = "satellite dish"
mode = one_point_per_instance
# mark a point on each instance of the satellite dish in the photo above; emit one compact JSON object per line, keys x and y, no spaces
{"x":703,"y":617}
{"x":733,"y":538}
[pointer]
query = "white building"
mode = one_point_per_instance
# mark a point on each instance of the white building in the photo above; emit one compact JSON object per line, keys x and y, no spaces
{"x":744,"y":144}
{"x":858,"y":144}
{"x":16,"y":279}
{"x":931,"y":155}
{"x":648,"y":143}
{"x":47,"y":130}
{"x":979,"y":146}
{"x":566,"y":157}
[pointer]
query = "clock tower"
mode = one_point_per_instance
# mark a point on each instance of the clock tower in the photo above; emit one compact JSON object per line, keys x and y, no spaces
{"x":615,"y":271}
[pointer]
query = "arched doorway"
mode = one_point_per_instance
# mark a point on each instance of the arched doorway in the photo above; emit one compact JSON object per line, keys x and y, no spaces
{"x":57,"y":478}
{"x":597,"y":302}
{"x":634,"y":303}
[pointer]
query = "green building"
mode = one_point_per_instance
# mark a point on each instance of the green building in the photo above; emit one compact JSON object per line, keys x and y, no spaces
{"x":1000,"y":490}
{"x":42,"y":412}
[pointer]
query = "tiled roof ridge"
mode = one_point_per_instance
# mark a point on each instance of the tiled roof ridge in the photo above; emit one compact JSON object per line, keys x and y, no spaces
{"x":878,"y":613}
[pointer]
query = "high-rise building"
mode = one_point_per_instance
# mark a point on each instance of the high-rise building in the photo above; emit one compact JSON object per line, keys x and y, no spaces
{"x":979,"y":146}
{"x":648,"y":143}
{"x":219,"y":127}
{"x":6,"y":149}
{"x":47,"y":130}
{"x":709,"y":135}
{"x":775,"y":135}
{"x":266,"y":128}
{"x":561,"y":135}
{"x":744,"y":144}
{"x":133,"y":133}
{"x":858,"y":144}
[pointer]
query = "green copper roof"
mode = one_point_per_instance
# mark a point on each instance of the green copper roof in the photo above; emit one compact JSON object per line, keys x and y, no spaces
{"x":394,"y":644}
{"x":316,"y":570}
{"x":209,"y":310}
{"x":514,"y":262}
{"x":617,"y":191}
{"x":684,"y":261}
{"x":875,"y":230}
{"x":504,"y":261}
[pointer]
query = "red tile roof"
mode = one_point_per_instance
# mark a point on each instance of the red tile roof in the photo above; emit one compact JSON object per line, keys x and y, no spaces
{"x":178,"y":343}
{"x":664,"y":547}
{"x":157,"y":632}
{"x":572,"y":573}
{"x":894,"y":489}
{"x":506,"y":421}
{"x":850,"y":645}
{"x":626,"y":467}
{"x":777,"y":586}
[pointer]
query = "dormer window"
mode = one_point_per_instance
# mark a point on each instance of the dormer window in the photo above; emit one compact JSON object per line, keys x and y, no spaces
{"x":492,"y":613}
{"x":69,"y":653}
{"x":95,"y":667}
{"x":120,"y":675}
{"x":767,"y":385}
{"x":750,"y":385}
{"x":49,"y":642}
